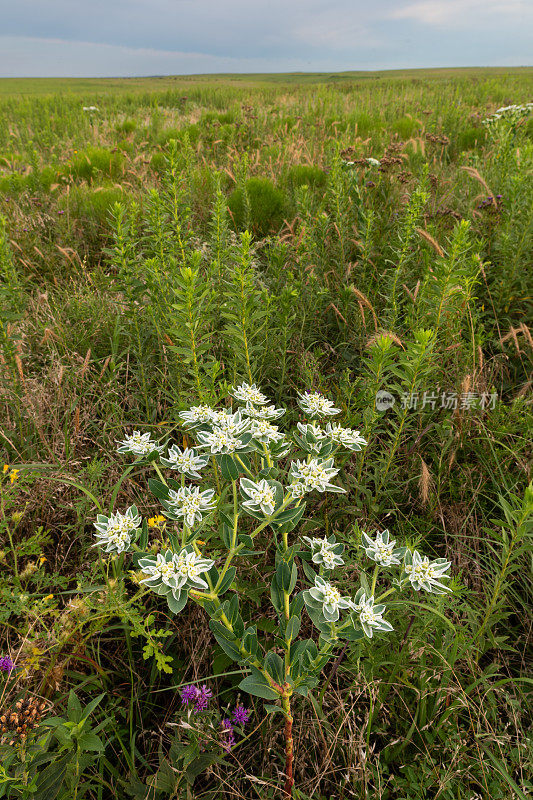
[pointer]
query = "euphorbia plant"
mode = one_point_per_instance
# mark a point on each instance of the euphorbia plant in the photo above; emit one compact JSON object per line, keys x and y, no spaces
{"x":245,"y":454}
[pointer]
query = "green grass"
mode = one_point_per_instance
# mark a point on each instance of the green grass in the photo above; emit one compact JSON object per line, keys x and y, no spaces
{"x":101,"y":332}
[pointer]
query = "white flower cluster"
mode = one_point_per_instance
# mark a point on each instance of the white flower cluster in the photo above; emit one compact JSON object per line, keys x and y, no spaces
{"x":140,"y":444}
{"x":175,"y":570}
{"x":329,"y":598}
{"x":186,"y":461}
{"x":330,"y":602}
{"x":260,"y":496}
{"x":511,"y":114}
{"x":315,"y":404}
{"x":190,"y":503}
{"x":249,"y":394}
{"x":370,"y":615}
{"x":117,"y":531}
{"x":263,"y":431}
{"x":315,"y":439}
{"x":346,"y":437}
{"x":325,"y":552}
{"x":313,"y":474}
{"x":197,"y":415}
{"x":381,"y":549}
{"x":265,"y":412}
{"x":426,"y":574}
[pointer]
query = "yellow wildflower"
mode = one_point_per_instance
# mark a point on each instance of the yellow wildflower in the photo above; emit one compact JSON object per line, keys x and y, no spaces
{"x":156,"y":522}
{"x":13,"y":475}
{"x":5,"y":468}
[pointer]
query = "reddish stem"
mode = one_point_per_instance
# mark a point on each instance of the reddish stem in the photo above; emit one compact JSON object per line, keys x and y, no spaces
{"x":289,"y":749}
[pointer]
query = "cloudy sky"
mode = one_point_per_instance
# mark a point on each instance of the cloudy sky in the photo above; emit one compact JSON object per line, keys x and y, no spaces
{"x":153,"y":37}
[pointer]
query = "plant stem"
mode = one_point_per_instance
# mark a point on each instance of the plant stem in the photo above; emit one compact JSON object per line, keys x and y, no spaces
{"x":289,"y":746}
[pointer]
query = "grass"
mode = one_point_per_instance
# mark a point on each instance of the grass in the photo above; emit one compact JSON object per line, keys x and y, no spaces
{"x":411,"y":277}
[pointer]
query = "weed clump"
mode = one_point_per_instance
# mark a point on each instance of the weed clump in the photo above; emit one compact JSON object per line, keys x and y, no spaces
{"x":259,"y":205}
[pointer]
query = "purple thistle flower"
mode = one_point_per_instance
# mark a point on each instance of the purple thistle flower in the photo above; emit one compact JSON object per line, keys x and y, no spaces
{"x":6,"y":664}
{"x":241,"y":715}
{"x":187,"y":694}
{"x":229,"y":736}
{"x":203,"y":695}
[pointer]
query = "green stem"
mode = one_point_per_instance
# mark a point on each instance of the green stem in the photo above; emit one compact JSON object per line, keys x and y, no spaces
{"x":154,"y":465}
{"x":374,"y":580}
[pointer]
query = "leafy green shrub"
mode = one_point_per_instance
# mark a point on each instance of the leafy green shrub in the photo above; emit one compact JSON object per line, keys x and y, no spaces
{"x":87,"y":164}
{"x":366,"y":124}
{"x":126,"y":127}
{"x":406,"y":127}
{"x":192,"y":131}
{"x":47,"y":177}
{"x":92,"y":205}
{"x":14,"y":183}
{"x":304,"y":174}
{"x":158,"y":162}
{"x":266,"y":206}
{"x":470,"y":138}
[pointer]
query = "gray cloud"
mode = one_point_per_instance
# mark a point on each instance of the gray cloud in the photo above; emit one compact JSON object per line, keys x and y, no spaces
{"x":125,"y":37}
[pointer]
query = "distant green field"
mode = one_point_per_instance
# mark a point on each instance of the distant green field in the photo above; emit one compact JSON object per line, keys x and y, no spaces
{"x":39,"y":86}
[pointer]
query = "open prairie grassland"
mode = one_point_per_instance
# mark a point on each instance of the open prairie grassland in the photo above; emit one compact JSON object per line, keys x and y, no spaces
{"x":361,"y":236}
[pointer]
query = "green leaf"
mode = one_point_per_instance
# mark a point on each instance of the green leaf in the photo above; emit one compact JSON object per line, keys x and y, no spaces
{"x":293,"y":628}
{"x":74,"y":707}
{"x":227,"y":467}
{"x":177,"y":605}
{"x":222,"y":635}
{"x":50,"y":780}
{"x":90,"y":741}
{"x":158,"y":489}
{"x":274,"y":666}
{"x":228,"y":579}
{"x":257,"y":685}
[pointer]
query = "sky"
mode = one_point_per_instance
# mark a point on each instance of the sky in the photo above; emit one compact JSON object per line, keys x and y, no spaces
{"x":99,"y":38}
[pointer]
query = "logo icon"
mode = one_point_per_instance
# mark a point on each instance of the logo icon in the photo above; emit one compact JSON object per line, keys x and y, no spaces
{"x":384,"y":400}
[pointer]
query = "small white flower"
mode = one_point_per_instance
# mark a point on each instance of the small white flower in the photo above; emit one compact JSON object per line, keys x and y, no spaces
{"x":316,"y":405}
{"x":220,"y":441}
{"x":267,"y":412}
{"x":264,"y":432}
{"x":187,"y":461}
{"x":314,"y":474}
{"x":346,"y":437}
{"x":325,"y":552}
{"x":381,"y":549}
{"x":197,"y":415}
{"x":297,"y":490}
{"x":193,"y":565}
{"x":373,"y":162}
{"x":175,"y":570}
{"x":249,"y":394}
{"x":230,"y":423}
{"x":426,"y":574}
{"x":370,"y":616}
{"x":140,"y":444}
{"x":117,"y":531}
{"x":330,"y":598}
{"x":191,"y":503}
{"x":261,"y":496}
